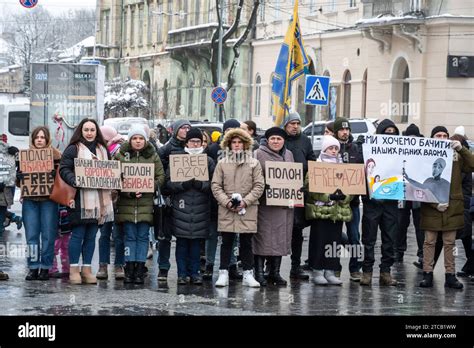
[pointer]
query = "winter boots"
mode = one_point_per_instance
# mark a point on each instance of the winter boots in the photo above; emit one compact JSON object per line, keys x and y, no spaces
{"x":427,"y":281}
{"x":87,"y":276}
{"x":259,"y":272}
{"x":74,"y":275}
{"x":102,"y":273}
{"x":331,"y":278}
{"x":387,"y":280}
{"x":129,"y":273}
{"x":297,"y":273}
{"x":452,"y":282}
{"x":140,"y":273}
{"x":274,"y":276}
{"x":249,"y":280}
{"x":366,"y":279}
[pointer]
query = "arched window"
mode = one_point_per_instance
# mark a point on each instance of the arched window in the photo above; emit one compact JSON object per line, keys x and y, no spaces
{"x":364,"y":95}
{"x":165,"y":99}
{"x":399,"y":109}
{"x":347,"y":94}
{"x":190,"y":95}
{"x":258,"y":94}
{"x":178,"y":96}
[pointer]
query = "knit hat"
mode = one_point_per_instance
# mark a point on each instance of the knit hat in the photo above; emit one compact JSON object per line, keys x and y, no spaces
{"x":460,"y":130}
{"x":438,"y":129}
{"x":341,"y":122}
{"x":329,"y":140}
{"x":275,"y":131}
{"x":412,"y":130}
{"x":137,"y":130}
{"x":108,"y":132}
{"x":231,"y":123}
{"x":215,"y":136}
{"x":178,"y":124}
{"x":194,"y":133}
{"x":292,"y":116}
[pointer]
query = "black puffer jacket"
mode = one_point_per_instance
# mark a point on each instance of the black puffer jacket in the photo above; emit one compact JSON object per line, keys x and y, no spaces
{"x":384,"y":125}
{"x":302,"y":150}
{"x":66,"y":170}
{"x":174,"y":145}
{"x":190,"y":208}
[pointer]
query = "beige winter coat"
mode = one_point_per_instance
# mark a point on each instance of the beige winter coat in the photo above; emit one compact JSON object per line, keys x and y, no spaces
{"x":242,"y":174}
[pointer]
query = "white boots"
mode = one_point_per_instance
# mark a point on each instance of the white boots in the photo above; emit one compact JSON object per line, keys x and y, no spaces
{"x":223,"y":279}
{"x":324,"y":277}
{"x":248,"y":279}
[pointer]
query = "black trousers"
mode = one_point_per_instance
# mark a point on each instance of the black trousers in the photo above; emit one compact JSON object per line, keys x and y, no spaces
{"x":403,"y":223}
{"x":296,"y":246}
{"x":325,"y":241}
{"x":384,"y":214}
{"x":245,"y":250}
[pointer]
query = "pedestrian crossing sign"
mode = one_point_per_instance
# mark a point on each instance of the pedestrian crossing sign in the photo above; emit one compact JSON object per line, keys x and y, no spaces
{"x":316,"y":90}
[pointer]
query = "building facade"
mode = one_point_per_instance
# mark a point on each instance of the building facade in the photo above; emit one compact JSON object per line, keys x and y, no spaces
{"x":167,"y":44}
{"x":386,"y":59}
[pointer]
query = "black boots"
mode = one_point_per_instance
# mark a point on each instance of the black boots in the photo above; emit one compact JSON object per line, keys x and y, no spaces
{"x":32,"y":274}
{"x":43,"y":275}
{"x":259,"y":274}
{"x":427,"y":281}
{"x":234,"y":273}
{"x":452,"y":282}
{"x":297,"y":273}
{"x":140,"y":272}
{"x":129,"y":273}
{"x":207,"y":275}
{"x":274,"y":274}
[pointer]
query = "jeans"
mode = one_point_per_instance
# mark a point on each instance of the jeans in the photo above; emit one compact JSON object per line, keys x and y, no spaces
{"x":354,"y":239}
{"x":188,"y":256}
{"x":245,"y":250}
{"x":104,"y":243}
{"x":136,"y":241}
{"x":82,"y":241}
{"x":41,"y":223}
{"x":211,"y":243}
{"x":385,"y":215}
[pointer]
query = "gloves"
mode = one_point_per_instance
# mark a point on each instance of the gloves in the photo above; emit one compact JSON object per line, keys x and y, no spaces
{"x":442,"y":207}
{"x":12,"y":150}
{"x":303,"y":189}
{"x":187,"y":185}
{"x":360,"y":139}
{"x":20,"y":176}
{"x":456,"y":145}
{"x":197,"y":184}
{"x":337,"y":196}
{"x":2,"y":186}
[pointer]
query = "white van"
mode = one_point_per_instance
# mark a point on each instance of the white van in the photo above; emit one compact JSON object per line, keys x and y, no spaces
{"x":123,"y":124}
{"x":15,"y":120}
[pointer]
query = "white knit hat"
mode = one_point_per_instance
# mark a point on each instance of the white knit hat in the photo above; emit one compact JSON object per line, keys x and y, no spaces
{"x":137,"y":130}
{"x":460,"y":130}
{"x":329,"y":140}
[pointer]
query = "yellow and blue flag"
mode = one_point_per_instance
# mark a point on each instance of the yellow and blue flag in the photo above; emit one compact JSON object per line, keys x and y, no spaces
{"x":292,"y":63}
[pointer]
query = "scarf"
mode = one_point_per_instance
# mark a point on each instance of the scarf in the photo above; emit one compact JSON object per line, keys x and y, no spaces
{"x":329,"y":159}
{"x":194,"y":151}
{"x":95,"y":204}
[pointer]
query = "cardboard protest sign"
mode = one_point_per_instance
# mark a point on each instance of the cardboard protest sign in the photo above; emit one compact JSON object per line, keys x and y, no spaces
{"x":328,"y":177}
{"x":138,"y":177}
{"x":36,"y":160}
{"x":7,"y":169}
{"x":408,"y":168}
{"x":97,"y":174}
{"x":36,"y":184}
{"x":285,"y":181}
{"x":187,"y":167}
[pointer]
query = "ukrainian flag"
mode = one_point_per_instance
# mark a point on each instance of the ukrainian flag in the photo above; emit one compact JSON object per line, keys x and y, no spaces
{"x":292,"y":63}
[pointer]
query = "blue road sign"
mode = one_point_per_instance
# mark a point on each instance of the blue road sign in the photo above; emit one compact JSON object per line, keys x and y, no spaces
{"x":219,"y":95}
{"x":316,"y":90}
{"x":28,"y":3}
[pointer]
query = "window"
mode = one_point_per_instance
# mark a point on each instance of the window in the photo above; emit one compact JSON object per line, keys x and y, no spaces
{"x":347,"y":94}
{"x":415,"y":5}
{"x":312,"y":6}
{"x":149,"y":27}
{"x":364,"y":95}
{"x":331,"y":5}
{"x":165,"y":98}
{"x":352,"y":3}
{"x":178,"y":96}
{"x":225,"y":12}
{"x":169,"y":16}
{"x":197,"y":9}
{"x":203,"y":96}
{"x":106,"y":27}
{"x":211,"y":11}
{"x":140,"y":25}
{"x":261,"y":11}
{"x":405,"y":96}
{"x":132,"y":27}
{"x":19,"y":123}
{"x":399,"y":109}
{"x":191,"y":95}
{"x":159,"y":22}
{"x":185,"y":13}
{"x":125,"y":33}
{"x":258,"y":94}
{"x":276,"y":7}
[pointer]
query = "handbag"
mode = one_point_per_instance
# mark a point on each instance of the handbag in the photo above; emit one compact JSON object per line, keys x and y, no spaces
{"x":161,"y":209}
{"x":62,"y":192}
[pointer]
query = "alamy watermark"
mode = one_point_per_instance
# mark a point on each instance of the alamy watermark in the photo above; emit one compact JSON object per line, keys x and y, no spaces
{"x":19,"y":250}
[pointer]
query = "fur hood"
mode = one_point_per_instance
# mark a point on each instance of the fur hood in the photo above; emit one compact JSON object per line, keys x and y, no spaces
{"x":237,"y":132}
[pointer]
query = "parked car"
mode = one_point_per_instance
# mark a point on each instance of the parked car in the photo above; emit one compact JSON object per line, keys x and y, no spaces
{"x":123,"y":124}
{"x":209,"y":127}
{"x":359,"y":126}
{"x":15,"y":120}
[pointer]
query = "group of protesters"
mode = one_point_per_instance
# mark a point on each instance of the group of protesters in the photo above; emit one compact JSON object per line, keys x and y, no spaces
{"x":232,"y":204}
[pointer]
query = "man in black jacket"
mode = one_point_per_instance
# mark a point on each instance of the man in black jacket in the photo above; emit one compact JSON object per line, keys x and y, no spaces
{"x":300,"y":145}
{"x":383,"y":213}
{"x":175,"y":145}
{"x":351,"y":153}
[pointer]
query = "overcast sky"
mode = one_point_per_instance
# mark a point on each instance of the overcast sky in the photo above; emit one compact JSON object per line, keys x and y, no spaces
{"x":54,"y":6}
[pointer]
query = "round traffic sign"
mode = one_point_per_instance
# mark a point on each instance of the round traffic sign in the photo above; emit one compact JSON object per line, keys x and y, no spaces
{"x":219,"y":95}
{"x":28,"y":3}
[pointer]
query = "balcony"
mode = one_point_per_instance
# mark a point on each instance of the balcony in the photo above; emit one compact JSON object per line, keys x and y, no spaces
{"x":195,"y":37}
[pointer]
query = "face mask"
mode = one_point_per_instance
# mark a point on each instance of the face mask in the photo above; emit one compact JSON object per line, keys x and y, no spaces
{"x":194,"y":151}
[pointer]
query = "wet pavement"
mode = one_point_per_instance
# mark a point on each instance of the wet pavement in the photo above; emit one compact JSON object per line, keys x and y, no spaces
{"x":110,"y":297}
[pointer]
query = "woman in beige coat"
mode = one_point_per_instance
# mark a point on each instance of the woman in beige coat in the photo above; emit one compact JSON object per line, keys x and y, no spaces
{"x":237,"y":185}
